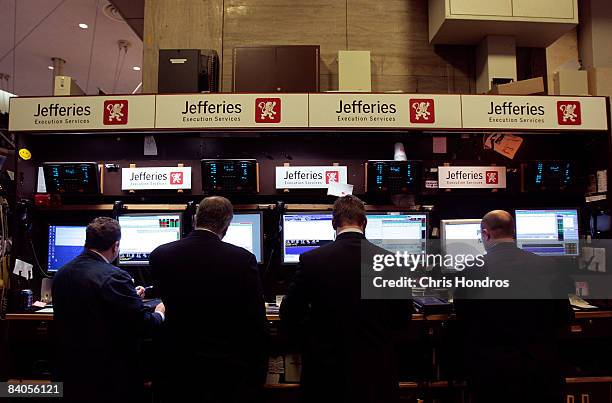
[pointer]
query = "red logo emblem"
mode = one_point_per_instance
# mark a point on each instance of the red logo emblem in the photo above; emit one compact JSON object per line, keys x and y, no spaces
{"x":115,"y":112}
{"x":492,"y":177}
{"x":176,"y":178}
{"x":569,"y":113}
{"x":332,"y":176}
{"x":422,"y":111}
{"x":268,"y":110}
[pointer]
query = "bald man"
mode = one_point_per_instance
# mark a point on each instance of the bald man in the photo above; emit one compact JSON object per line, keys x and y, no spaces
{"x":510,"y":337}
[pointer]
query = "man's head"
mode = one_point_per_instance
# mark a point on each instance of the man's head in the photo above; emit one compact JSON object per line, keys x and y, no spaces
{"x":349,"y":212}
{"x":496,"y":226}
{"x":103,"y":235}
{"x":215,"y":214}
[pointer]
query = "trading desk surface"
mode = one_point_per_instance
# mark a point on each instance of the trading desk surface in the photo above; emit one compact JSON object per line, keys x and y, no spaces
{"x":47,"y":315}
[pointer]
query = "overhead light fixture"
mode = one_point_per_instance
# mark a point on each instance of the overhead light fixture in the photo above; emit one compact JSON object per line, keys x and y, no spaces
{"x":136,"y":68}
{"x":50,"y":67}
{"x":83,"y":26}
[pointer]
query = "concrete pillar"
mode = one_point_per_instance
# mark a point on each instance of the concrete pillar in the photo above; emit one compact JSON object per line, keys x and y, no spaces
{"x":495,"y":58}
{"x":178,"y":24}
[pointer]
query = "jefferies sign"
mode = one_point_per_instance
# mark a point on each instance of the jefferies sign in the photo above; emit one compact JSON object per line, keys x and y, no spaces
{"x":520,"y":112}
{"x":82,"y":113}
{"x":156,"y":178}
{"x":309,"y":177}
{"x":466,"y":177}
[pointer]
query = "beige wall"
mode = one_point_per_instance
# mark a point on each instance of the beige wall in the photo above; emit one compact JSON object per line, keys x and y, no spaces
{"x":395,"y":31}
{"x":595,"y":33}
{"x":562,"y":51}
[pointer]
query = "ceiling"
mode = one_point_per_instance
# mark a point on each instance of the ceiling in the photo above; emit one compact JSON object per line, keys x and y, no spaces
{"x":50,"y":28}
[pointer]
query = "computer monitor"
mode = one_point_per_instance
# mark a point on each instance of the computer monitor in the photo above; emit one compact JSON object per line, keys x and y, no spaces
{"x":65,"y":243}
{"x":398,"y":232}
{"x":245,"y":231}
{"x":71,"y":178}
{"x":548,"y":232}
{"x":461,"y":237}
{"x":142,"y":233}
{"x":303,"y":232}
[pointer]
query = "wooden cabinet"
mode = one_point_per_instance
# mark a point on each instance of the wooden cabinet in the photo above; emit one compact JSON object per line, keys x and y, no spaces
{"x":276,"y":69}
{"x":533,"y":23}
{"x":481,"y":7}
{"x":543,"y":8}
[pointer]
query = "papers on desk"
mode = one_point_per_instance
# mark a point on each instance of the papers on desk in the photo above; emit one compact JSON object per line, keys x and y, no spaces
{"x":578,"y":303}
{"x":45,"y":310}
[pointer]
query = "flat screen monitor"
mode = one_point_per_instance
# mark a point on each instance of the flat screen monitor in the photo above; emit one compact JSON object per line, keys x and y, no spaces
{"x":398,"y":232}
{"x":71,"y":178}
{"x":393,"y":177}
{"x":142,"y":233}
{"x":550,"y":175}
{"x":65,"y":243}
{"x":461,"y":237}
{"x":303,"y":232}
{"x":229,"y":176}
{"x":548,"y":232}
{"x":245,"y":231}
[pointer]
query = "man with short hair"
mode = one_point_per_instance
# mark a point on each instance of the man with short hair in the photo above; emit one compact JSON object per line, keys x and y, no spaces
{"x":215,"y":341}
{"x":510,"y":334}
{"x":99,"y":318}
{"x":348,"y":343}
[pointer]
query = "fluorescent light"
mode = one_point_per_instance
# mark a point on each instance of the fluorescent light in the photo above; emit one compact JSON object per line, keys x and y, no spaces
{"x":50,"y":67}
{"x":83,"y":26}
{"x":136,"y":68}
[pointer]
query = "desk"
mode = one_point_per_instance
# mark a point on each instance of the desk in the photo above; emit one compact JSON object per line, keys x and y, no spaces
{"x":275,"y":317}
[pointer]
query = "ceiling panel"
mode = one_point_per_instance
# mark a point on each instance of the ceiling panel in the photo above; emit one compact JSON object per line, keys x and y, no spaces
{"x":43,"y":33}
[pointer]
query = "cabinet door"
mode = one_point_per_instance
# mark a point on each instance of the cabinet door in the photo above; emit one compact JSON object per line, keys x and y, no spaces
{"x":544,"y":8}
{"x":482,"y":7}
{"x":254,"y":69}
{"x":297,"y":68}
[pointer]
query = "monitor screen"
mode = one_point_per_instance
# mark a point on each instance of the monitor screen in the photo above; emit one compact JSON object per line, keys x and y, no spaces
{"x":548,"y":232}
{"x":65,"y":243}
{"x":305,"y":231}
{"x":398,"y":232}
{"x":71,"y":177}
{"x":229,"y":176}
{"x":461,"y":237}
{"x":142,"y":233}
{"x":393,"y":176}
{"x":245,"y":231}
{"x":549,"y":175}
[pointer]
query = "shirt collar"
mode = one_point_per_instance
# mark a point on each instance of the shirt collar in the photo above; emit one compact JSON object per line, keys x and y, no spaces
{"x":206,"y":229}
{"x":101,"y":255}
{"x":344,"y":231}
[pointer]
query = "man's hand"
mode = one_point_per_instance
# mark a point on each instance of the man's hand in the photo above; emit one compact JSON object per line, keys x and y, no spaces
{"x":140,"y":291}
{"x":161,"y":309}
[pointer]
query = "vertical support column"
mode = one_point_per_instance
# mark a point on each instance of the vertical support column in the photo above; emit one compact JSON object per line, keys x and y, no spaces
{"x":495,"y":58}
{"x":179,"y":24}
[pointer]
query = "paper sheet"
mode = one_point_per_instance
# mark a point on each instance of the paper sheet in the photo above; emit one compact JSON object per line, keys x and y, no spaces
{"x":339,"y":189}
{"x":23,"y":269}
{"x":150,"y":146}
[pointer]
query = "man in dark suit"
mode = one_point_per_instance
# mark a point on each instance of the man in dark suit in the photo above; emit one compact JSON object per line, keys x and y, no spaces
{"x":99,"y":317}
{"x":347,"y":342}
{"x":510,"y":334}
{"x":216,"y":328}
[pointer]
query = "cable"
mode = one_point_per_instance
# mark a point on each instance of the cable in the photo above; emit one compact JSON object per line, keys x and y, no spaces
{"x":30,"y":31}
{"x":14,"y":46}
{"x":93,"y":39}
{"x":119,"y":67}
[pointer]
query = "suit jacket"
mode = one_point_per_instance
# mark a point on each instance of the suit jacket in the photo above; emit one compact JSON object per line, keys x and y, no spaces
{"x":215,"y":311}
{"x":514,"y":340}
{"x":347,"y":343}
{"x":99,"y":319}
